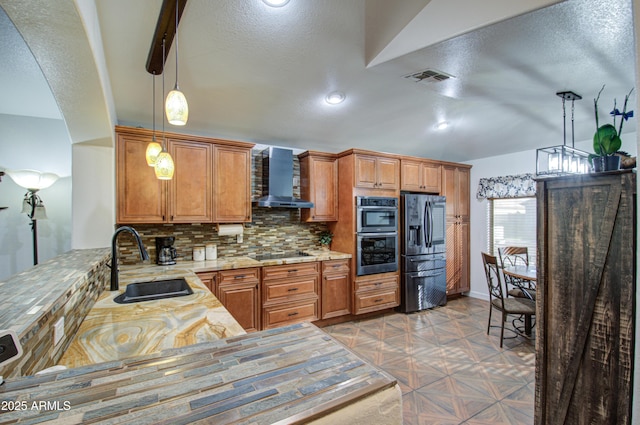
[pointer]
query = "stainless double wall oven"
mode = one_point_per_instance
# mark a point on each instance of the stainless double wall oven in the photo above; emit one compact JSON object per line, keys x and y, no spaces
{"x":377,"y":235}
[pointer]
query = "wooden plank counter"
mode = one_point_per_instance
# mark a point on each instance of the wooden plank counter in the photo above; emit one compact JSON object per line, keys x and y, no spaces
{"x":294,"y":374}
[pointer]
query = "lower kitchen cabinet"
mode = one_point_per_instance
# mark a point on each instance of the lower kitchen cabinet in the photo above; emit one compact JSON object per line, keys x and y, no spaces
{"x":282,"y":314}
{"x":290,"y":294}
{"x":210,"y":279}
{"x":376,"y":292}
{"x":336,"y":289}
{"x":238,"y":291}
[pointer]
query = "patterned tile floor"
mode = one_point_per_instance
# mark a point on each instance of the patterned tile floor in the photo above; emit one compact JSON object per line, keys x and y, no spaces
{"x":450,"y":371}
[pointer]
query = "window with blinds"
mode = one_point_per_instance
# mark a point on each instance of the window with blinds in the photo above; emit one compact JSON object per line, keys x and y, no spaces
{"x":512,"y":222}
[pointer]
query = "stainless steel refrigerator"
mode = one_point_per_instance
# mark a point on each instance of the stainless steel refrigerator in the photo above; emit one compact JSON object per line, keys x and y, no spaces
{"x":423,"y":252}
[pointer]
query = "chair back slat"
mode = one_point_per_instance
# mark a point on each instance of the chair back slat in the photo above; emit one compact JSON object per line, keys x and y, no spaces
{"x":492,"y":271}
{"x":513,"y":255}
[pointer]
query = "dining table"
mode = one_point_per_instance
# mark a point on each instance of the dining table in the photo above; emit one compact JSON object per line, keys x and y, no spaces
{"x":522,"y":276}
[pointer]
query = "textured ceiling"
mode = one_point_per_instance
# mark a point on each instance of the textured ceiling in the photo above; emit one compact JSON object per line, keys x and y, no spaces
{"x":260,"y":74}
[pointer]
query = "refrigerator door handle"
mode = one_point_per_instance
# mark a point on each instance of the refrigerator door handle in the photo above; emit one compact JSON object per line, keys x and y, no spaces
{"x":427,"y":224}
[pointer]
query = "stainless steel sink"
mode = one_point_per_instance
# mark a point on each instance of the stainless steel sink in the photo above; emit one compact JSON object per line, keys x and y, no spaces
{"x":154,"y":290}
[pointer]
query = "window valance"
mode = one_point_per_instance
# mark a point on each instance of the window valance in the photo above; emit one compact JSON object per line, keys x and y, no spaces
{"x":517,"y":186}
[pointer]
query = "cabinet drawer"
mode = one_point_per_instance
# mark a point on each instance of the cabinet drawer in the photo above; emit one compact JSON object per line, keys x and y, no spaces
{"x":289,"y":270}
{"x":376,"y":300}
{"x":284,"y":314}
{"x":335,"y":266}
{"x":374,"y":282}
{"x":290,"y":289}
{"x":233,"y":277}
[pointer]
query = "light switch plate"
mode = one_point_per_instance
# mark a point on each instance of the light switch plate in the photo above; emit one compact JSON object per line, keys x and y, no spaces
{"x":58,"y":331}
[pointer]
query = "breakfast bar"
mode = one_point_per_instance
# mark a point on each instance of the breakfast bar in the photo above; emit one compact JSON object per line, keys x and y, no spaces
{"x":183,"y":360}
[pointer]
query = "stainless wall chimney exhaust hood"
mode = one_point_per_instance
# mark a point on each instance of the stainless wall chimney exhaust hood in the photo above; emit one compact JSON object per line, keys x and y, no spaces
{"x":277,"y":180}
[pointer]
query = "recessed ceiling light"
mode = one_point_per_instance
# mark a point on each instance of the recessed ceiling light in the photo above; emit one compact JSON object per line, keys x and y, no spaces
{"x":442,"y":125}
{"x":275,"y":3}
{"x":335,"y":97}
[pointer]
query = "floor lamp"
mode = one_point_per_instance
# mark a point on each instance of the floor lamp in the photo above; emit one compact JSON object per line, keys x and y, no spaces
{"x":32,"y":205}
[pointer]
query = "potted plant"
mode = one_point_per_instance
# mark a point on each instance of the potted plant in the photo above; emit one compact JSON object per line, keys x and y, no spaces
{"x":325,"y":239}
{"x":606,"y":140}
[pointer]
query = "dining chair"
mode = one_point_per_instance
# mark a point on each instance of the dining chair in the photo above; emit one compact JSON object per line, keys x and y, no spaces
{"x":497,"y":300}
{"x":513,"y":256}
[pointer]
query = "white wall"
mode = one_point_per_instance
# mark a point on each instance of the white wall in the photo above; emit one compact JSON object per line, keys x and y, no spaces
{"x":517,"y":163}
{"x":42,"y":144}
{"x":93,"y":196}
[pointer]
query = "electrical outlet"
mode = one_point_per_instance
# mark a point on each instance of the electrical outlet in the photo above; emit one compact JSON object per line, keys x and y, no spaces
{"x":58,"y":331}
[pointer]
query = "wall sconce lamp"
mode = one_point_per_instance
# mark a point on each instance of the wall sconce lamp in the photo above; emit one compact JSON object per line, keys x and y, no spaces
{"x":32,"y":204}
{"x":562,"y":159}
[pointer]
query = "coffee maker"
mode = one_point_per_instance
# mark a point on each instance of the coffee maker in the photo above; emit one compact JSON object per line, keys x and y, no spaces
{"x":166,"y":254}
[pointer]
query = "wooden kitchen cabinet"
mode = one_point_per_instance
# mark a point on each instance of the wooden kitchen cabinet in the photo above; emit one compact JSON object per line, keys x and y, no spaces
{"x":140,"y":196}
{"x":319,"y":184}
{"x":290,"y":294}
{"x":210,"y":279}
{"x":377,"y":172}
{"x":376,"y":292}
{"x":239,"y":293}
{"x":456,"y":189}
{"x":586,"y":292}
{"x":232,"y":184}
{"x":420,"y":176}
{"x":335,"y":289}
{"x":189,"y":191}
{"x":211,"y":183}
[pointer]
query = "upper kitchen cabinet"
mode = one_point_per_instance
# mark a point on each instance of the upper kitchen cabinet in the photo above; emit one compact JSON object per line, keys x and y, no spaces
{"x":455,"y":186}
{"x":319,"y":184}
{"x":232,"y":184}
{"x":189,"y":192}
{"x":141,"y":197}
{"x":369,"y":172}
{"x":377,"y":172}
{"x":211,"y":182}
{"x":420,"y":176}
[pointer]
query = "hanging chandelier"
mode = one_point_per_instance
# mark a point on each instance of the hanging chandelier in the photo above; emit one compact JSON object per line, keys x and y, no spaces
{"x":562,"y":159}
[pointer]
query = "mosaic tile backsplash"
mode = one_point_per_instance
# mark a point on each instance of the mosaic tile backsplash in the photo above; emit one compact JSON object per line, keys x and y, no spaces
{"x":275,"y":229}
{"x":271,"y":229}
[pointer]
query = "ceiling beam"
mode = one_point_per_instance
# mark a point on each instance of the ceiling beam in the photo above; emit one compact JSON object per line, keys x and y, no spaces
{"x":165,"y":28}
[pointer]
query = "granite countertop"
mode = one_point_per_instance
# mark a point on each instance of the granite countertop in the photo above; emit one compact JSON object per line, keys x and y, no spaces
{"x":29,"y":295}
{"x":113,"y":331}
{"x":293,"y":374}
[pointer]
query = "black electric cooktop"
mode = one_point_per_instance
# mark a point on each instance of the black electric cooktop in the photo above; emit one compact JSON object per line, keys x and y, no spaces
{"x":280,"y":254}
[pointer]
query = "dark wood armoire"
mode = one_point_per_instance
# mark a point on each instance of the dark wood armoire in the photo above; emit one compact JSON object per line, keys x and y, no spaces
{"x":586,"y":299}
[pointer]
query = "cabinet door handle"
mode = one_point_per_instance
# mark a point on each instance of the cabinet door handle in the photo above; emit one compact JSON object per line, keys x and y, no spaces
{"x":292,"y":314}
{"x":292,"y":289}
{"x":378,"y":283}
{"x":378,"y":300}
{"x":292,"y":271}
{"x":239,"y":276}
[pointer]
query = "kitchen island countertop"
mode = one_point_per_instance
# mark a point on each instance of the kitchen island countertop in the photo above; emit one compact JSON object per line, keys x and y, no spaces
{"x":293,"y":374}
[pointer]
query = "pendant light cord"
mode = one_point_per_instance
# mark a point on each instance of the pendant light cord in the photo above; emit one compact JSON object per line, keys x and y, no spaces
{"x":163,"y":109}
{"x":153,"y":106}
{"x":177,"y":2}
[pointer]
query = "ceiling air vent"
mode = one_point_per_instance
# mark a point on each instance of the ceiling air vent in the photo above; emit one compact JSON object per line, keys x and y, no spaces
{"x":428,"y":76}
